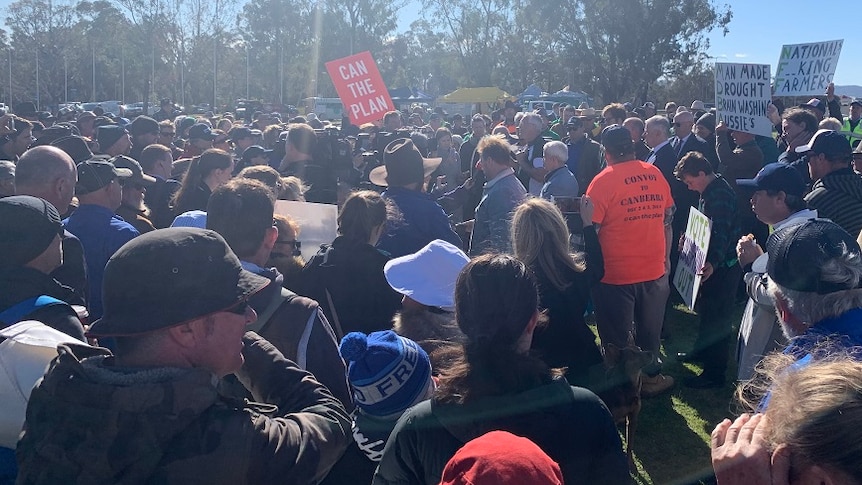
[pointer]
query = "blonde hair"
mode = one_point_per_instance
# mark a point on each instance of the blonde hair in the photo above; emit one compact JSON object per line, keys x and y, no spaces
{"x":815,"y":410}
{"x":540,"y":239}
{"x":292,"y":188}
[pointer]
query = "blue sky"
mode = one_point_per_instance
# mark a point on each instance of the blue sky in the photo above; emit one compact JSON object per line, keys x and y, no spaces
{"x":757,"y":32}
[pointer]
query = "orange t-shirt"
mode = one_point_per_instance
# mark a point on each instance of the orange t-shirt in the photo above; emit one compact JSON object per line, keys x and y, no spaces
{"x":630,"y":200}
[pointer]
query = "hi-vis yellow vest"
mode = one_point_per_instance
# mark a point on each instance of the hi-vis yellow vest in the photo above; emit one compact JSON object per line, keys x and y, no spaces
{"x":854,"y":136}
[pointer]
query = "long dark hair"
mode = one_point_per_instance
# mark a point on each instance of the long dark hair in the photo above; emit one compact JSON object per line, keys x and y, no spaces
{"x":363,"y":211}
{"x":495,"y":299}
{"x":200,"y":167}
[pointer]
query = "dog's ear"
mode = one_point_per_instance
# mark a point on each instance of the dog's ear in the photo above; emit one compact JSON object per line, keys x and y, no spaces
{"x":612,"y":355}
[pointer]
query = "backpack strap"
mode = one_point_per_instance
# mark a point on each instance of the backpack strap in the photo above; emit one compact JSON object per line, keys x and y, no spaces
{"x":277,"y":299}
{"x":20,"y":311}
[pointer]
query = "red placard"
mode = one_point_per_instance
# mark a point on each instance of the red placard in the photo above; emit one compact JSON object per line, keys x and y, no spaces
{"x":360,"y":87}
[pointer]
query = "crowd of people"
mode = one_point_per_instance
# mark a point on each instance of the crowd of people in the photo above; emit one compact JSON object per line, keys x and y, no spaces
{"x":442,"y":336}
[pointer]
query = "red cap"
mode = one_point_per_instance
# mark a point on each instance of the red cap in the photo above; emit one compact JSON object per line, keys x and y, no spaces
{"x":501,"y":457}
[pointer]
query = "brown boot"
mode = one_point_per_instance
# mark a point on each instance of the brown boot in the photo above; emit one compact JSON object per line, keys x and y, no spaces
{"x":652,"y":386}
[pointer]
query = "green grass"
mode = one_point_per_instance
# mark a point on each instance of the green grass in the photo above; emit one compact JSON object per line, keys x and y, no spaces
{"x":671,"y":443}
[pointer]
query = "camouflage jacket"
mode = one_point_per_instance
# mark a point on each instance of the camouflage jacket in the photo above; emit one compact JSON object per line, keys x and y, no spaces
{"x":89,"y":422}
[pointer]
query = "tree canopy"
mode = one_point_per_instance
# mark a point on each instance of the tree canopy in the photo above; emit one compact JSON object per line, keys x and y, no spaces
{"x":214,"y":51}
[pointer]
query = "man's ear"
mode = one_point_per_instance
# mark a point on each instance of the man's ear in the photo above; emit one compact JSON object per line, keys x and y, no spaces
{"x":188,"y":334}
{"x":786,"y":316}
{"x":270,"y":237}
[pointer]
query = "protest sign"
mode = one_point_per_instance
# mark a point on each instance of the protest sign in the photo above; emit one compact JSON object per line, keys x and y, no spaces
{"x":742,"y":96}
{"x":317,"y":223}
{"x":360,"y":87}
{"x":692,"y":256}
{"x":806,"y":69}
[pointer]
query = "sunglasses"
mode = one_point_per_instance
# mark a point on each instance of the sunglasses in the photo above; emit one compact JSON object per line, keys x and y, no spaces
{"x":296,"y":245}
{"x":677,"y":125}
{"x":239,"y":309}
{"x":223,"y":140}
{"x":167,"y":133}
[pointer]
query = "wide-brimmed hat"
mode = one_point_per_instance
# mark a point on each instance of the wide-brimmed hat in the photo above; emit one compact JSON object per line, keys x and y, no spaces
{"x":403,"y":164}
{"x":428,"y":275}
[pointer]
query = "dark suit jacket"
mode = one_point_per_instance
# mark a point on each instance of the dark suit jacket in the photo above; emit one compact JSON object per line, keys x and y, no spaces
{"x":692,"y":144}
{"x":665,"y":160}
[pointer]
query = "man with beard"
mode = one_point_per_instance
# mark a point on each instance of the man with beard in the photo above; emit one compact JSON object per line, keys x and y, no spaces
{"x":815,"y":270}
{"x":286,"y":255}
{"x":426,"y":278}
{"x":133,"y":209}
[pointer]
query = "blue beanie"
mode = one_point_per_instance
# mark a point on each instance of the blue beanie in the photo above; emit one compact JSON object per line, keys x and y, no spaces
{"x":388,"y":373}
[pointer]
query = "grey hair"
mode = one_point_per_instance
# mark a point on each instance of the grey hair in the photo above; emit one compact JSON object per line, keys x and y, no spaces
{"x":534,"y":119}
{"x":810,"y":307}
{"x":830,"y":123}
{"x":659,"y":122}
{"x":518,"y":116}
{"x":558,"y":150}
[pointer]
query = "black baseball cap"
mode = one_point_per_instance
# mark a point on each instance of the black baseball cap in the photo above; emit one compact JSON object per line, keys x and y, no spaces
{"x":240,"y":132}
{"x":29,"y":226}
{"x":616,"y":136}
{"x":828,"y":142}
{"x":574,"y":122}
{"x":95,"y":174}
{"x":169,"y":277}
{"x":201,"y":131}
{"x":138,"y":175}
{"x":255,"y":151}
{"x":75,"y":146}
{"x":776,"y":176}
{"x":798,"y":253}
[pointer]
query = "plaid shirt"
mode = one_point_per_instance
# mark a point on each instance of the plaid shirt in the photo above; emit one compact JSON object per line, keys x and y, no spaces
{"x":718,"y":202}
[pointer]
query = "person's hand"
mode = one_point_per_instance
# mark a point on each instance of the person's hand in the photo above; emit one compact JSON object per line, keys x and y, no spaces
{"x":747,"y":250}
{"x":468,"y":184}
{"x":681,"y":243}
{"x":706,"y":272}
{"x":773,"y":114}
{"x":521,"y":155}
{"x":587,"y":210}
{"x":7,"y":124}
{"x":721,"y":127}
{"x":358,"y":160}
{"x":740,"y":454}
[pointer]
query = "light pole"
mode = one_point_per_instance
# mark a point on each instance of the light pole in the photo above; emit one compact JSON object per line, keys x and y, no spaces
{"x":37,"y":78}
{"x":10,"y":78}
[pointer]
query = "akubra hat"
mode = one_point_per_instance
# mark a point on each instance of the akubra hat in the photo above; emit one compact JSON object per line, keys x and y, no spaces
{"x":403,"y":164}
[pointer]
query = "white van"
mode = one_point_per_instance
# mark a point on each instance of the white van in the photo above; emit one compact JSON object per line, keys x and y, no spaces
{"x":115,"y":107}
{"x":532,"y":105}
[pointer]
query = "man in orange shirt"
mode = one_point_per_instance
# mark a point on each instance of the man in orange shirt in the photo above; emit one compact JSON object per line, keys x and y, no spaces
{"x":633,"y":213}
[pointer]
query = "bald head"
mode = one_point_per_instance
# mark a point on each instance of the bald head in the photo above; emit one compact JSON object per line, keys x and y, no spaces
{"x":49,"y":173}
{"x":635,"y":126}
{"x":683,"y":122}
